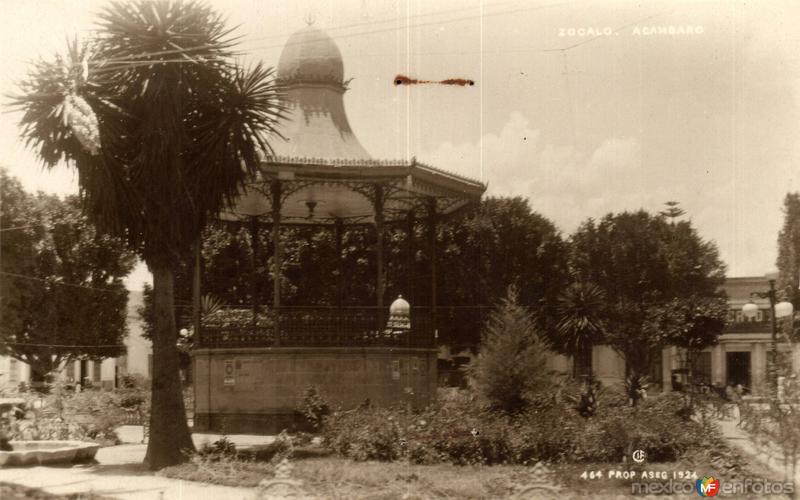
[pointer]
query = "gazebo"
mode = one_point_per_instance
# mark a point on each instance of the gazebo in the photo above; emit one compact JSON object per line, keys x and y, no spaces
{"x":251,"y":379}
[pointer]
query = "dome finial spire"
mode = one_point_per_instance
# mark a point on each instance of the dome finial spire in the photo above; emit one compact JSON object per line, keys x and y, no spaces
{"x":310,"y":19}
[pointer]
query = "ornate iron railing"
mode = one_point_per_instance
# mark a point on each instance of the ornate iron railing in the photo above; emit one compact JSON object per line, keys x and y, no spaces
{"x":748,"y":327}
{"x":320,"y":327}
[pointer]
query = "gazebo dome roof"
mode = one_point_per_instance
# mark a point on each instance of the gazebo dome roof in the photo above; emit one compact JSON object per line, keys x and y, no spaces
{"x":310,"y":56}
{"x":323,"y":172}
{"x":316,"y":126}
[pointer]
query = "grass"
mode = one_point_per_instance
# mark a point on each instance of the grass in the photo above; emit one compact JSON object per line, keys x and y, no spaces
{"x":327,"y":476}
{"x":339,"y":478}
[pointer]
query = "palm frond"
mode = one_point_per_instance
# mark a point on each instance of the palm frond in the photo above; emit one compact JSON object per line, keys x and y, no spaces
{"x":579,"y":313}
{"x":232,"y":126}
{"x":180,"y":127}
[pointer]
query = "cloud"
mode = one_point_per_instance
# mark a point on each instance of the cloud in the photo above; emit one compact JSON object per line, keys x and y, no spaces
{"x":568,"y":186}
{"x":562,"y":183}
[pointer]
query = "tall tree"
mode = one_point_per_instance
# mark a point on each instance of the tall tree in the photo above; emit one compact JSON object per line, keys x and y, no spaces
{"x":501,"y":242}
{"x":789,"y":256}
{"x":660,"y":279}
{"x":164,"y":130}
{"x":673,"y":210}
{"x":62,"y":292}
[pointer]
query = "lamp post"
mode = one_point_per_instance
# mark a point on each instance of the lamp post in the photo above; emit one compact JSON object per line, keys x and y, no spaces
{"x":777,"y":310}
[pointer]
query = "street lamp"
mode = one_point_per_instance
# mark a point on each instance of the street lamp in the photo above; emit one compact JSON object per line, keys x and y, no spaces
{"x":781,"y":309}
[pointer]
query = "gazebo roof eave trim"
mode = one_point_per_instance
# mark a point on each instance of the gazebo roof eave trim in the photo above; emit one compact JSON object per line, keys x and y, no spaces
{"x":317,"y":167}
{"x":353,"y":220}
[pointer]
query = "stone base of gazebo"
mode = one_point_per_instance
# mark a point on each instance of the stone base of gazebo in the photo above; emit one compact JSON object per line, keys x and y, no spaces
{"x":260,"y":390}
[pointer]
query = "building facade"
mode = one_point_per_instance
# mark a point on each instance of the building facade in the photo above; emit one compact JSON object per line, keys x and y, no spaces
{"x":741,"y":357}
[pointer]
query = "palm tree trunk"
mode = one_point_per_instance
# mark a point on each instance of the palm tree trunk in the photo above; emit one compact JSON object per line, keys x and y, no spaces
{"x":170,"y":440}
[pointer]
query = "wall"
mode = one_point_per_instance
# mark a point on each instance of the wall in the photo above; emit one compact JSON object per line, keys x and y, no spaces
{"x":608,"y":365}
{"x":138,"y":348}
{"x":259,"y":389}
{"x":560,"y":363}
{"x":12,"y":372}
{"x":759,"y":345}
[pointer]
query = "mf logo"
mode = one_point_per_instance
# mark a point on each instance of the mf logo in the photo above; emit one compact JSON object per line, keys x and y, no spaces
{"x":708,"y":486}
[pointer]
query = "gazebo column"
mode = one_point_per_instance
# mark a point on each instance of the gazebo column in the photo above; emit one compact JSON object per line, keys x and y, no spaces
{"x":255,"y":253}
{"x":338,"y":228}
{"x":275,"y":189}
{"x":410,"y":222}
{"x":196,"y":289}
{"x":379,"y":284}
{"x":432,"y":220}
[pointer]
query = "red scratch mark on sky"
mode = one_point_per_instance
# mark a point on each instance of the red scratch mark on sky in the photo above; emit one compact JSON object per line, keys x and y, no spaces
{"x":404,"y":80}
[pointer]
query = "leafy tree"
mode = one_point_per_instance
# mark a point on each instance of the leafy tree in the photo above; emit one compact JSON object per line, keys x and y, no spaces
{"x":499,"y":243}
{"x":511,"y":367}
{"x":62,"y":292}
{"x":164,"y":130}
{"x":19,"y":235}
{"x":660,"y":279}
{"x":789,"y":257}
{"x":692,"y":322}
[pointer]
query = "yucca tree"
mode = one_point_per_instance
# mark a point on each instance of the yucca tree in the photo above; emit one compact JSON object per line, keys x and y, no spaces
{"x":579,"y":323}
{"x":163,"y":129}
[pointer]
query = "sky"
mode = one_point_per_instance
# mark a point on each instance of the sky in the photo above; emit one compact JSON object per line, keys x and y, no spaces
{"x":697,"y":102}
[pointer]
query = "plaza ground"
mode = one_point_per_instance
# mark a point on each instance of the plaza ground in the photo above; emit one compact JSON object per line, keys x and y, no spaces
{"x":120,"y":474}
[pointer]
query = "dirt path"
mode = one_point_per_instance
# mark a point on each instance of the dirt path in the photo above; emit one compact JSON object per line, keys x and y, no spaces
{"x":119,"y":473}
{"x":771,"y":457}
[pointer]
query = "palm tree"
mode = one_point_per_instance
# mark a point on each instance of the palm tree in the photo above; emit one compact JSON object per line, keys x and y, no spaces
{"x":163,"y":129}
{"x":579,"y":323}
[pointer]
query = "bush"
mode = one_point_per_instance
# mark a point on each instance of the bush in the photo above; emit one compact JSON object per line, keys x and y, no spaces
{"x":656,"y":425}
{"x":458,"y":431}
{"x":314,"y":407}
{"x":134,"y":381}
{"x":511,"y":368}
{"x":84,"y":416}
{"x":218,"y":450}
{"x":131,"y":401}
{"x":364,"y":434}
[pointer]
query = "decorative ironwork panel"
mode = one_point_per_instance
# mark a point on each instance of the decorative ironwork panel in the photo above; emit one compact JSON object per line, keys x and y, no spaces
{"x":323,"y":327}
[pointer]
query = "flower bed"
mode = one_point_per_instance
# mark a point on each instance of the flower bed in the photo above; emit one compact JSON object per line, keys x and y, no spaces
{"x":459,"y":432}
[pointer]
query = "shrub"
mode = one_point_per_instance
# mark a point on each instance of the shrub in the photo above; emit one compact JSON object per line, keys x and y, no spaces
{"x":220,"y":449}
{"x":232,"y":317}
{"x":314,"y":407}
{"x":84,"y":416}
{"x":511,"y":368}
{"x":131,"y":401}
{"x":272,"y":452}
{"x":458,"y":431}
{"x":224,"y":449}
{"x":134,"y":381}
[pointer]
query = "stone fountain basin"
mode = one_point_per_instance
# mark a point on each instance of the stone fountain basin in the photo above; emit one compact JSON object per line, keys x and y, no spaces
{"x":48,"y":452}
